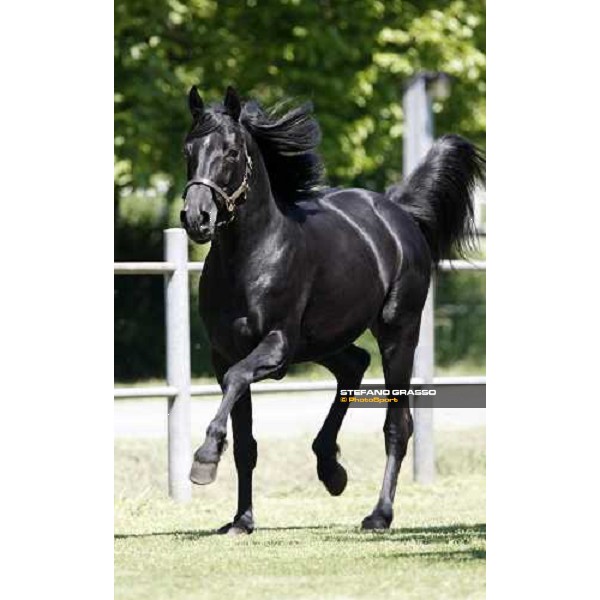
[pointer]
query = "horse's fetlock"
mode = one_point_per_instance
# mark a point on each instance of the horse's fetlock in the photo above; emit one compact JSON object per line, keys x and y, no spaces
{"x":216,"y":431}
{"x":385,"y":510}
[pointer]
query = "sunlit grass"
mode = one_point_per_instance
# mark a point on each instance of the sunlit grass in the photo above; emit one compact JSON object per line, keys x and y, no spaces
{"x":307,"y":543}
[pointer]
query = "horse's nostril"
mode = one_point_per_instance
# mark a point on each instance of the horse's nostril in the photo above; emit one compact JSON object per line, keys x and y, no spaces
{"x":205,"y":217}
{"x":182,"y":217}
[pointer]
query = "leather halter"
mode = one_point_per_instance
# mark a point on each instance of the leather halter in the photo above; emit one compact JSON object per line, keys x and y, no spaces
{"x":229,"y":200}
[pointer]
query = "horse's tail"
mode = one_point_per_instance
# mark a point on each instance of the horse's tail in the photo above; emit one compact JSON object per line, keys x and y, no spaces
{"x":439,"y":194}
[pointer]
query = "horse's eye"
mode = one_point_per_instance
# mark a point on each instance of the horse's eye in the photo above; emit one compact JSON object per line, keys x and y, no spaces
{"x":232,"y":154}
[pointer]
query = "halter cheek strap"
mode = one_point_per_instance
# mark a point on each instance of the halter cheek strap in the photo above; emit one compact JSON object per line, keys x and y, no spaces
{"x":229,"y":200}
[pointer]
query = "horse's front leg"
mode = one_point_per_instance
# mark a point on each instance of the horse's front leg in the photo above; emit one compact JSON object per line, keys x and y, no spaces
{"x":245,"y":454}
{"x":270,"y":357}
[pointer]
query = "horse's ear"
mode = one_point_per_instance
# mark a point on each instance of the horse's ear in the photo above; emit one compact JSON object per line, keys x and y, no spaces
{"x":195,"y":102}
{"x":232,"y":103}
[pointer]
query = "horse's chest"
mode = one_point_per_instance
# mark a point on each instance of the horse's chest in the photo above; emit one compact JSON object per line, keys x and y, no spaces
{"x":230,"y":335}
{"x":225,"y":317}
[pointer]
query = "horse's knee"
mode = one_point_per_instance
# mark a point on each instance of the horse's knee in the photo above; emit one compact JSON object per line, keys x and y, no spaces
{"x":398,"y":431}
{"x":235,"y":379}
{"x":399,"y":427}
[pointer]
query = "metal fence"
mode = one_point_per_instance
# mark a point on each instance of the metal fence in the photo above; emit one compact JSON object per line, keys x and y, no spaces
{"x":178,"y":389}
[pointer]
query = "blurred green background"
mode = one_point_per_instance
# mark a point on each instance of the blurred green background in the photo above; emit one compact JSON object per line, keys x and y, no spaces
{"x":352,"y":59}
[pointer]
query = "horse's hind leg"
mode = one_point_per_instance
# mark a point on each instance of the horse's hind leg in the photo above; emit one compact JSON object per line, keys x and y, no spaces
{"x":397,"y":343}
{"x":348,"y":367}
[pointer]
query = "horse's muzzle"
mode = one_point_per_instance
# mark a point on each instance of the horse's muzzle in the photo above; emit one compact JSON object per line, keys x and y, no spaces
{"x":199,"y":229}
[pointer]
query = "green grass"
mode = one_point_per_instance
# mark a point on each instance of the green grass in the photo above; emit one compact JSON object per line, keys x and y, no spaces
{"x":307,"y":544}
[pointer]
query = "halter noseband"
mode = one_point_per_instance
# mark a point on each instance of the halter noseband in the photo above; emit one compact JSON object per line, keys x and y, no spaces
{"x":230,"y":200}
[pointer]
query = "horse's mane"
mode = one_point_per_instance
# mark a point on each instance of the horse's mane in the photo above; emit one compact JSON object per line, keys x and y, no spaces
{"x":287,"y":140}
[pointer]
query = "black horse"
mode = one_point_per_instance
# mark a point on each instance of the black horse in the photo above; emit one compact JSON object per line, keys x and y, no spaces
{"x":297,"y":271}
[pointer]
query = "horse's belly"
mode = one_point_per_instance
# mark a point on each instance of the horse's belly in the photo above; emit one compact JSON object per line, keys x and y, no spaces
{"x":329,"y":326}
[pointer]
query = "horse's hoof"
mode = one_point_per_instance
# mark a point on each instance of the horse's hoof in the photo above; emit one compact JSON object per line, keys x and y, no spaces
{"x":376,"y":522}
{"x":235,"y":529}
{"x":336,"y":484}
{"x":203,"y":473}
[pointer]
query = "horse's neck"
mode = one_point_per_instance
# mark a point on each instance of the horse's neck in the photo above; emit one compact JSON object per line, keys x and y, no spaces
{"x":257,"y":218}
{"x":260,"y":211}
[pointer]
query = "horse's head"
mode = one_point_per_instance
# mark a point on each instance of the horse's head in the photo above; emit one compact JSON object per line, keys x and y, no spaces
{"x":218,"y":166}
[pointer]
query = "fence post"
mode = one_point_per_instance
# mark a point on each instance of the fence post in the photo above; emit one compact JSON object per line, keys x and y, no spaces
{"x":177,"y":313}
{"x":423,"y":444}
{"x":418,"y":137}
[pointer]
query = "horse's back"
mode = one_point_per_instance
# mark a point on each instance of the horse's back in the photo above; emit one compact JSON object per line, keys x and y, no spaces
{"x":371,"y":221}
{"x":360,"y":245}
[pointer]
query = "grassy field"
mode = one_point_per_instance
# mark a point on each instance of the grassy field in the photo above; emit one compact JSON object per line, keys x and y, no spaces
{"x":307,"y":544}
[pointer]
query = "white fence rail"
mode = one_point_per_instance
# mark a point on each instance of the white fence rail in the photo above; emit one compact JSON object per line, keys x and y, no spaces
{"x":321,"y":385}
{"x":178,"y":389}
{"x":166,"y":268}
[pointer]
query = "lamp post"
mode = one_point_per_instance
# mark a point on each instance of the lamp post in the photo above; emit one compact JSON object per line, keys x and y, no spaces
{"x":418,"y":138}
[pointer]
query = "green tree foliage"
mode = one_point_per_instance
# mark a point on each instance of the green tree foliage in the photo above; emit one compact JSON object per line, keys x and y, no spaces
{"x":350,"y":57}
